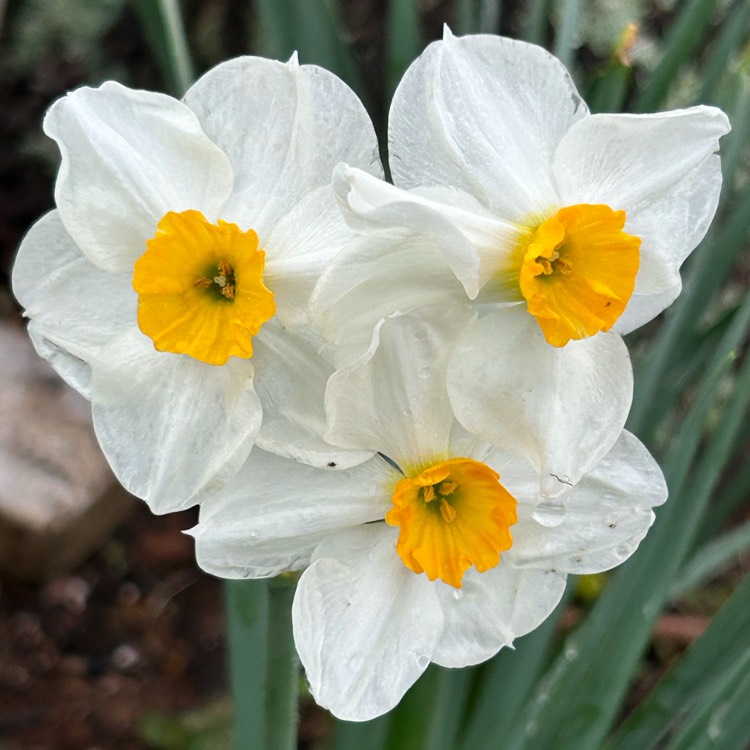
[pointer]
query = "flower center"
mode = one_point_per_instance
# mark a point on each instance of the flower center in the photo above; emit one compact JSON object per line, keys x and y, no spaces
{"x":200,"y":288}
{"x":578,"y":272}
{"x":451,"y":516}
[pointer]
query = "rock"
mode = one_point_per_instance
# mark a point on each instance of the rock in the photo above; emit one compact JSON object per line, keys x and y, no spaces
{"x":59,"y":500}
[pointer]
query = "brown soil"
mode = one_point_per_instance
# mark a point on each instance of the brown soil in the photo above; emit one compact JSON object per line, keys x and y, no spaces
{"x":136,"y":629}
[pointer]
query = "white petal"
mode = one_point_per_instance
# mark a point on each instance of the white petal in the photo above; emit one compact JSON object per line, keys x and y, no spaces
{"x":483,"y":114}
{"x":75,"y":372}
{"x":492,"y":609}
{"x":600,"y":523}
{"x":643,"y":308}
{"x":561,"y":408}
{"x":76,"y":308}
{"x":284,"y":128}
{"x":365,"y":626}
{"x":290,"y":380}
{"x":173,"y":429}
{"x":302,"y":245}
{"x":393,"y":400}
{"x":129,"y":157}
{"x":474,"y":242}
{"x":273,"y":514}
{"x":350,"y":298}
{"x":661,"y":169}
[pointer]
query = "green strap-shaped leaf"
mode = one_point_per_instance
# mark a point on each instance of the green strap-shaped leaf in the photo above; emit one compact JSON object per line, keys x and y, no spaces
{"x":704,"y":669}
{"x":165,"y":33}
{"x":687,"y":33}
{"x":313,"y":29}
{"x":720,"y":721}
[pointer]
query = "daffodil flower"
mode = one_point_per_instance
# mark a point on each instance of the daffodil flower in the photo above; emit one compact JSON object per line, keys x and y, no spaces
{"x":170,"y":286}
{"x":511,"y":197}
{"x":438,"y":549}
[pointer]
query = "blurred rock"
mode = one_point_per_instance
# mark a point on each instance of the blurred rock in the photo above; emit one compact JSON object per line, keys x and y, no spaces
{"x":58,"y":498}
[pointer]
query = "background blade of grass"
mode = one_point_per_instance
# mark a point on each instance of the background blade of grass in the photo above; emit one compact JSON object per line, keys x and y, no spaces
{"x":721,"y":719}
{"x":725,"y":643}
{"x":403,"y":40}
{"x":366,"y":735}
{"x":686,"y":34}
{"x":535,"y":24}
{"x":567,"y":30}
{"x":711,"y":559}
{"x":312,"y":28}
{"x":165,"y":32}
{"x":732,"y":36}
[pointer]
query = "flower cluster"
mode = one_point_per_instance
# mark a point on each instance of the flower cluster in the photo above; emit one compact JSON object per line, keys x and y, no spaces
{"x":413,"y":392}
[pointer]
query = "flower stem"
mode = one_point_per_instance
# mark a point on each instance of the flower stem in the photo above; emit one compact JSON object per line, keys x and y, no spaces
{"x":263,"y":663}
{"x":282,"y":670}
{"x":247,"y":626}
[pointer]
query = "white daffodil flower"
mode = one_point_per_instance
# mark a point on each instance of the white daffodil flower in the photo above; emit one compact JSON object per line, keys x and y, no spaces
{"x":438,"y":549}
{"x":171,"y":284}
{"x":511,"y":197}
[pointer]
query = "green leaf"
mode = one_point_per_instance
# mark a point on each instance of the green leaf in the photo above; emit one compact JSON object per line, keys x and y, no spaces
{"x":535,"y":23}
{"x":165,"y":32}
{"x":566,"y":38}
{"x":720,"y":721}
{"x":403,"y":40}
{"x":711,"y":560}
{"x":313,"y":29}
{"x":732,"y":36}
{"x":448,"y":707}
{"x":410,"y":720}
{"x":685,"y":687}
{"x":365,"y":735}
{"x":688,"y":31}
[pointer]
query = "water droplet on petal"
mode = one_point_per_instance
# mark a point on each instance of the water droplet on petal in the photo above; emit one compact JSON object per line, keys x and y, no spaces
{"x":549,"y":513}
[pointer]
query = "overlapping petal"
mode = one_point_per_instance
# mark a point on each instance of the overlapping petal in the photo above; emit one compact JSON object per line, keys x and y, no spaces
{"x":350,"y":297}
{"x":475,"y":244}
{"x":484,"y":115}
{"x":365,"y":626}
{"x":284,"y":127}
{"x":398,"y":388}
{"x":492,"y":609}
{"x":128,"y":157}
{"x":273,"y":514}
{"x":662,"y":169}
{"x":290,"y":380}
{"x":173,"y":429}
{"x":75,"y":307}
{"x":563,"y":408}
{"x":301,"y":245}
{"x":600,"y":522}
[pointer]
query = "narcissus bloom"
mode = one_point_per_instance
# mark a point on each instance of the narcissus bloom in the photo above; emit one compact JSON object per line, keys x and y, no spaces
{"x":511,"y":197}
{"x":439,"y":549}
{"x":171,"y":284}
